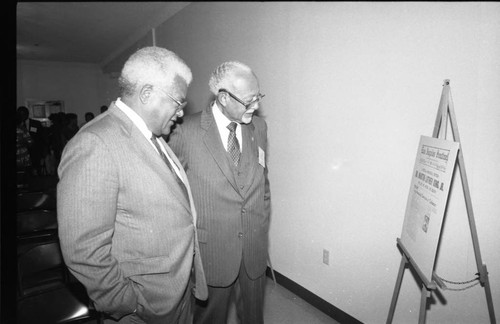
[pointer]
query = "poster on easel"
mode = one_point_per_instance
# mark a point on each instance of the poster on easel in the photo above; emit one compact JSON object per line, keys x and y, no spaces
{"x":425,"y":208}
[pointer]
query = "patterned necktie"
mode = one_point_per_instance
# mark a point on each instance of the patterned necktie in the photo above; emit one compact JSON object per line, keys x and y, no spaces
{"x":233,"y":147}
{"x":167,"y":162}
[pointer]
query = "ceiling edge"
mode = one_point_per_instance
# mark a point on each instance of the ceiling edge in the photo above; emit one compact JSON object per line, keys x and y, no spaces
{"x":171,"y":8}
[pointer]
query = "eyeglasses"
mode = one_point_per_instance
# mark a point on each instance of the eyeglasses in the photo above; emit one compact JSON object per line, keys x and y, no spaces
{"x":180,"y":104}
{"x":256,"y":99}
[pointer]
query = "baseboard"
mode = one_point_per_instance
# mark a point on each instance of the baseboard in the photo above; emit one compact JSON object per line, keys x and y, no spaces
{"x":312,"y":299}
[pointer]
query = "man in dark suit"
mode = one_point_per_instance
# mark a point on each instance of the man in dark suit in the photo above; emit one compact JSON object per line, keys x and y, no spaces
{"x":227,"y":171}
{"x":38,"y":134}
{"x":124,"y":206}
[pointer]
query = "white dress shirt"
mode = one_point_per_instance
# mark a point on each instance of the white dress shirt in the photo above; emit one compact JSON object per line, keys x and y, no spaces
{"x":222,"y":123}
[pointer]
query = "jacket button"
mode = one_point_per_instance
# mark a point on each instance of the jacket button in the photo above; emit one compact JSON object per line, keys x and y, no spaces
{"x":243,"y":211}
{"x":240,"y":235}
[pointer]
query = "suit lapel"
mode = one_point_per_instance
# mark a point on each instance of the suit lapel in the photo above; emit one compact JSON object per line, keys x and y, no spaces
{"x":215,"y":147}
{"x":249,"y":154}
{"x":151,"y":155}
{"x":176,"y":188}
{"x":183,"y":177}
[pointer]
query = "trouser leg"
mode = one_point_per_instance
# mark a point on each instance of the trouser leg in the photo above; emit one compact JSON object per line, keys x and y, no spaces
{"x":250,"y":297}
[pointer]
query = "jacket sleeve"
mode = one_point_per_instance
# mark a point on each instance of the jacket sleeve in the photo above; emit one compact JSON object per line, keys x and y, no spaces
{"x":87,"y":195}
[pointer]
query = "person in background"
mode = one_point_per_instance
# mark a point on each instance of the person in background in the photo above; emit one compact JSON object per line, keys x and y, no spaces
{"x":23,"y":142}
{"x":104,"y":108}
{"x":38,"y":148}
{"x":88,"y":117}
{"x":56,"y":138}
{"x":124,"y":206}
{"x":223,"y":150}
{"x":70,"y":126}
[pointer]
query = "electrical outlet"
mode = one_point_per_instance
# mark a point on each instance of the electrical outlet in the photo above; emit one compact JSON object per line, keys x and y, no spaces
{"x":326,"y":257}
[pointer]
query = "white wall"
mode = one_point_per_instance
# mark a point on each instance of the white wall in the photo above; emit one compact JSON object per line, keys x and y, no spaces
{"x":350,"y":87}
{"x":82,"y":87}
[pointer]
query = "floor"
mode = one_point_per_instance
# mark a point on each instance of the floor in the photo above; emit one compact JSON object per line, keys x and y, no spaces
{"x":282,"y":306}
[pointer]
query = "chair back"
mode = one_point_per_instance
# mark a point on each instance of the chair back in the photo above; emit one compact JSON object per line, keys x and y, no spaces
{"x":49,"y":299}
{"x":40,"y":258}
{"x":40,"y":267}
{"x":36,"y":200}
{"x":36,"y":220}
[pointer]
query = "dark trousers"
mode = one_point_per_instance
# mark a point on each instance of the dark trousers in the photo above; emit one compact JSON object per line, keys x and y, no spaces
{"x":248,"y":295}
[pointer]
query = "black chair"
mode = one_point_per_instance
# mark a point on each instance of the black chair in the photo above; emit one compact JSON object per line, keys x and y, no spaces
{"x":36,"y":200}
{"x":40,"y":266}
{"x":42,"y":183}
{"x":22,"y":181}
{"x":33,"y":221}
{"x":45,"y":295}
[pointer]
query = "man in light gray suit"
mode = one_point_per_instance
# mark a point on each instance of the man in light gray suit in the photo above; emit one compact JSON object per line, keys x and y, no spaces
{"x":125,"y":211}
{"x":223,"y":149}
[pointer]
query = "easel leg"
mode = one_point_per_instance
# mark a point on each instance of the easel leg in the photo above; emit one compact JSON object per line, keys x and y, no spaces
{"x":396,"y":289}
{"x":489,"y":300}
{"x":483,"y":273}
{"x":423,"y":304}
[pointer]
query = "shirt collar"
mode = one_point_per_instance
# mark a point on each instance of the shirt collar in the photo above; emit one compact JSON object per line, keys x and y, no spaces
{"x":219,"y":117}
{"x":136,"y":119}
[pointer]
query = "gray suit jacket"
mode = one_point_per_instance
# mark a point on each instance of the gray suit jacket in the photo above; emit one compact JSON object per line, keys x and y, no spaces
{"x":127,"y":231}
{"x":233,"y":214}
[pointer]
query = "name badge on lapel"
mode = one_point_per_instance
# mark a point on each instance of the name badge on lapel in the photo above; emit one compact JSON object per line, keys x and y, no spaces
{"x":33,"y":129}
{"x":262,"y":157}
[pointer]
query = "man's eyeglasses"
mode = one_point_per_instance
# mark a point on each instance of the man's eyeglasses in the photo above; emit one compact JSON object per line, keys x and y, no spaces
{"x":180,"y":104}
{"x":255,"y":100}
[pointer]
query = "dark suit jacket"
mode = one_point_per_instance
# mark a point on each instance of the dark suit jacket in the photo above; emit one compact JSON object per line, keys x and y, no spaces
{"x":233,"y":216}
{"x":126,"y":228}
{"x":39,"y":135}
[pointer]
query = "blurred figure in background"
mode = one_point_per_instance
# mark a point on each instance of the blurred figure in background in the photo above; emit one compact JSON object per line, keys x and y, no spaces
{"x":70,"y":126}
{"x":38,"y":148}
{"x":56,"y":140}
{"x":88,"y":117}
{"x":23,"y":142}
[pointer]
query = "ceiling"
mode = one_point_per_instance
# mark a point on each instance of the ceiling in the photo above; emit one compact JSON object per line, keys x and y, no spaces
{"x":86,"y":32}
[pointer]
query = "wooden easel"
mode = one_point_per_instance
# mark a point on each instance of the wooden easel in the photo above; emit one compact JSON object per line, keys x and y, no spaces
{"x":440,"y":127}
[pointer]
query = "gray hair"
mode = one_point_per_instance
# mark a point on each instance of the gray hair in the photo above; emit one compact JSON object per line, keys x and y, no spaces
{"x":223,"y":75}
{"x":152,"y":65}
